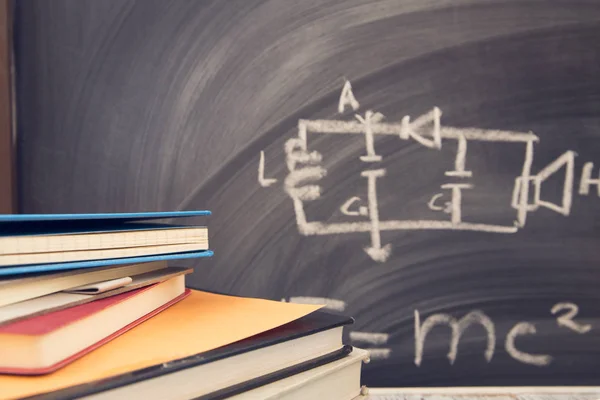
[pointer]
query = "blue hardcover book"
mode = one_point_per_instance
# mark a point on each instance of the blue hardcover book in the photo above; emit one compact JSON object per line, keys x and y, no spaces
{"x":33,"y":243}
{"x":37,"y":268}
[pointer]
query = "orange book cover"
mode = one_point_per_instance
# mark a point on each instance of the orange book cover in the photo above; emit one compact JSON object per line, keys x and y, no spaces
{"x":201,"y":322}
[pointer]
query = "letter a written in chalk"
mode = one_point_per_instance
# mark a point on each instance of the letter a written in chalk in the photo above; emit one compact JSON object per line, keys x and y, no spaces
{"x":347,"y":98}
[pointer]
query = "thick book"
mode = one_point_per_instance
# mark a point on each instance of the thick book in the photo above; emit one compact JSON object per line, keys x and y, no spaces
{"x":68,"y":298}
{"x":338,"y":380}
{"x":21,"y":288}
{"x":37,"y":268}
{"x":43,"y":344}
{"x":306,"y":343}
{"x":200,"y":323}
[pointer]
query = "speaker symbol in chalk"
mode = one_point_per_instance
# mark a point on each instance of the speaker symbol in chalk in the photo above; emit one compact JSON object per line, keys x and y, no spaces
{"x":305,"y":169}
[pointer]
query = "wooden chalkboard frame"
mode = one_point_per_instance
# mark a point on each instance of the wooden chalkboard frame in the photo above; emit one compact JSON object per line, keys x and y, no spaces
{"x":476,"y":393}
{"x":8,"y":193}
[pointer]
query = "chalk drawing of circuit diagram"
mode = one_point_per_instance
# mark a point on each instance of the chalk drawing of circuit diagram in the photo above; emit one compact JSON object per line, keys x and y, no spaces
{"x":303,"y":166}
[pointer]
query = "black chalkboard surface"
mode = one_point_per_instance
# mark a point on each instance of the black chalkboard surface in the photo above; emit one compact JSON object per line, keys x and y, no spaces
{"x":428,"y":167}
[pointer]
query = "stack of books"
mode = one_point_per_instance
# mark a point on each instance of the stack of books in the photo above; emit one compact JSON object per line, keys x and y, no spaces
{"x":90,"y":308}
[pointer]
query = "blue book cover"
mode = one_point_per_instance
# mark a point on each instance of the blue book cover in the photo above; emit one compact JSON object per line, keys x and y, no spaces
{"x":124,"y":217}
{"x":37,"y":268}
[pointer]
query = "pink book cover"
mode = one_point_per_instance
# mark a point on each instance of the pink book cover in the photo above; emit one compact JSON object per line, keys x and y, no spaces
{"x":44,"y":324}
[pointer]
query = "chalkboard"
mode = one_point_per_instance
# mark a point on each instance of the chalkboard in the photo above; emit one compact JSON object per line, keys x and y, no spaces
{"x":428,"y":167}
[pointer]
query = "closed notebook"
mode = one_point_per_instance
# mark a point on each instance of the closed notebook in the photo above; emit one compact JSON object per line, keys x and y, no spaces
{"x":66,"y":298}
{"x":46,"y":242}
{"x":14,"y":289}
{"x":72,"y":265}
{"x":311,"y":341}
{"x":43,"y":344}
